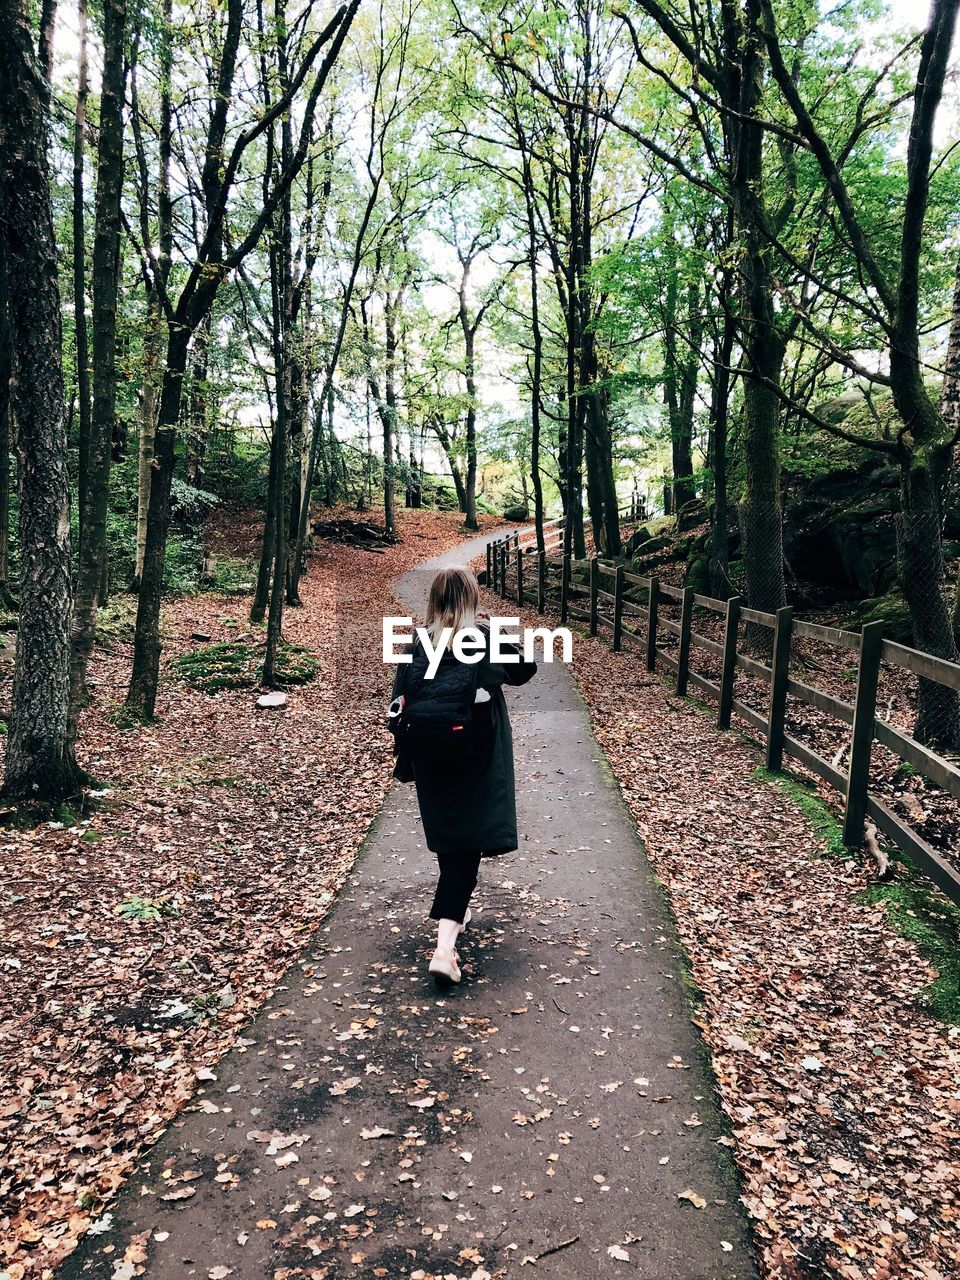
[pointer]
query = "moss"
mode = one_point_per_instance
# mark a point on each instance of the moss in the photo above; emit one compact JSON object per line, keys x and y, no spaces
{"x":698,"y":575}
{"x":918,"y":912}
{"x":891,"y":610}
{"x":123,"y":717}
{"x":233,"y":664}
{"x":826,"y":827}
{"x":915,"y":909}
{"x":232,"y":575}
{"x":116,"y":621}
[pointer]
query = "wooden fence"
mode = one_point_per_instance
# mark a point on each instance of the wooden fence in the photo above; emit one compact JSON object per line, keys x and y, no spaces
{"x":626,"y":607}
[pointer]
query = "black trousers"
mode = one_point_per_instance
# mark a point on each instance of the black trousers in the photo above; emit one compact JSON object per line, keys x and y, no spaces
{"x":458,"y":879}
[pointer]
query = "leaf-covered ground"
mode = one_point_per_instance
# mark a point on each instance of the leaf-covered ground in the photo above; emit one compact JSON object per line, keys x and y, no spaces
{"x":136,"y":941}
{"x":843,"y":1092}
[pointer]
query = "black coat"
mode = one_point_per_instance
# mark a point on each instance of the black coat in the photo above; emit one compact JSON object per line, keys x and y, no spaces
{"x":476,"y":810}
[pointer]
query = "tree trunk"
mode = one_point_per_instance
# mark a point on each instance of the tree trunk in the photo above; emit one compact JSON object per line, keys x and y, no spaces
{"x":688,"y":365}
{"x":950,"y":405}
{"x":469,"y":330}
{"x":258,"y":607}
{"x":926,"y":445}
{"x":388,"y":419}
{"x":536,"y":370}
{"x":196,"y":444}
{"x":142,"y":694}
{"x":105,"y":285}
{"x":6,"y":441}
{"x":761,"y":516}
{"x":39,"y":764}
{"x":79,"y":261}
{"x":720,"y":583}
{"x":282,"y":271}
{"x":48,"y":28}
{"x":153,"y":336}
{"x":152,"y":350}
{"x":920,"y":570}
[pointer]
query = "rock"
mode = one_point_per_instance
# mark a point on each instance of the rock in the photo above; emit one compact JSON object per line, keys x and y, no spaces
{"x":839,"y":529}
{"x":653,"y":546}
{"x":891,"y":610}
{"x":517,"y":512}
{"x":636,"y":541}
{"x":691,"y":514}
{"x":201,"y":636}
{"x":697,"y":577}
{"x":271,"y":701}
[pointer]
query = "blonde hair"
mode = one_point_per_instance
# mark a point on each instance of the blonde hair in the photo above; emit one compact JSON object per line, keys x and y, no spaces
{"x":453,"y":601}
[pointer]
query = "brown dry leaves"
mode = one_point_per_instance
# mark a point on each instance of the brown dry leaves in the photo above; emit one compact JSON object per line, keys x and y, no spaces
{"x":245,"y":823}
{"x":841,"y":1092}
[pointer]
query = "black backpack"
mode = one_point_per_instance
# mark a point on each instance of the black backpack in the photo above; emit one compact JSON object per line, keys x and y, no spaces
{"x":440,"y":723}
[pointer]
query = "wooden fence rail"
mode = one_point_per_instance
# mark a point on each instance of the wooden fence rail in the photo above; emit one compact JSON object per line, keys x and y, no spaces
{"x":603,"y":597}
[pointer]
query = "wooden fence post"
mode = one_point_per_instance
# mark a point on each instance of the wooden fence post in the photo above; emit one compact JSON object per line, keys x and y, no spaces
{"x":541,"y":581}
{"x":594,"y":588}
{"x":487,"y":549}
{"x":861,"y":737}
{"x":652,"y":605}
{"x":780,"y":674}
{"x":729,"y":670}
{"x":686,"y":626}
{"x":618,"y":609}
{"x":495,"y":562}
{"x":519,"y":578}
{"x":564,"y":588}
{"x":504,"y":547}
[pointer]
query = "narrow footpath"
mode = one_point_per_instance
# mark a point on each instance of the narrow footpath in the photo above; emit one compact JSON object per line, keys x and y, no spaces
{"x":554,"y":1116}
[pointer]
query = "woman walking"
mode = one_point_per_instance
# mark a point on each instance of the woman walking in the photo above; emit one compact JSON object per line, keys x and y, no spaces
{"x":454,"y":742}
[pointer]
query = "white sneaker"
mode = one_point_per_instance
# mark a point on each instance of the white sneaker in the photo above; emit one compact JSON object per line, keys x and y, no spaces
{"x":444,"y":965}
{"x":466,"y":919}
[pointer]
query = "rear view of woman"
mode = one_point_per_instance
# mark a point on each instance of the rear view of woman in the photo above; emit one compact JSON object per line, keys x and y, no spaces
{"x":458,"y":749}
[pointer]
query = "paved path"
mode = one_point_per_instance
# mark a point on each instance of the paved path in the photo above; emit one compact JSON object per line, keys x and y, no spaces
{"x":370,"y":1126}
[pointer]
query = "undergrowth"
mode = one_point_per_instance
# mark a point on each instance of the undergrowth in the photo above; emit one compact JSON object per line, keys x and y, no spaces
{"x":825,"y":824}
{"x":235,"y":664}
{"x":915,"y":909}
{"x":918,"y":912}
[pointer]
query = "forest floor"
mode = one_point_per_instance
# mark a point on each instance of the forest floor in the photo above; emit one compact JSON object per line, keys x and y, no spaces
{"x":841,"y":1085}
{"x":554,"y":1115}
{"x":234,"y":827}
{"x":932,"y":811}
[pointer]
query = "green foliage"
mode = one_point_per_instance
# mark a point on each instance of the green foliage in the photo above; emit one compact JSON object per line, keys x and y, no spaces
{"x":238,"y":664}
{"x":184,"y":563}
{"x":188,"y":503}
{"x":892,"y":611}
{"x":918,"y":912}
{"x":825,"y":826}
{"x":915,"y":909}
{"x":148,"y":910}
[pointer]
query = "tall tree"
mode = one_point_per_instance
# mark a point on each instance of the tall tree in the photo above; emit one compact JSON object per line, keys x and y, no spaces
{"x":105,"y":283}
{"x":213,"y":261}
{"x":922,"y":449}
{"x":81,"y":341}
{"x":39,"y":764}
